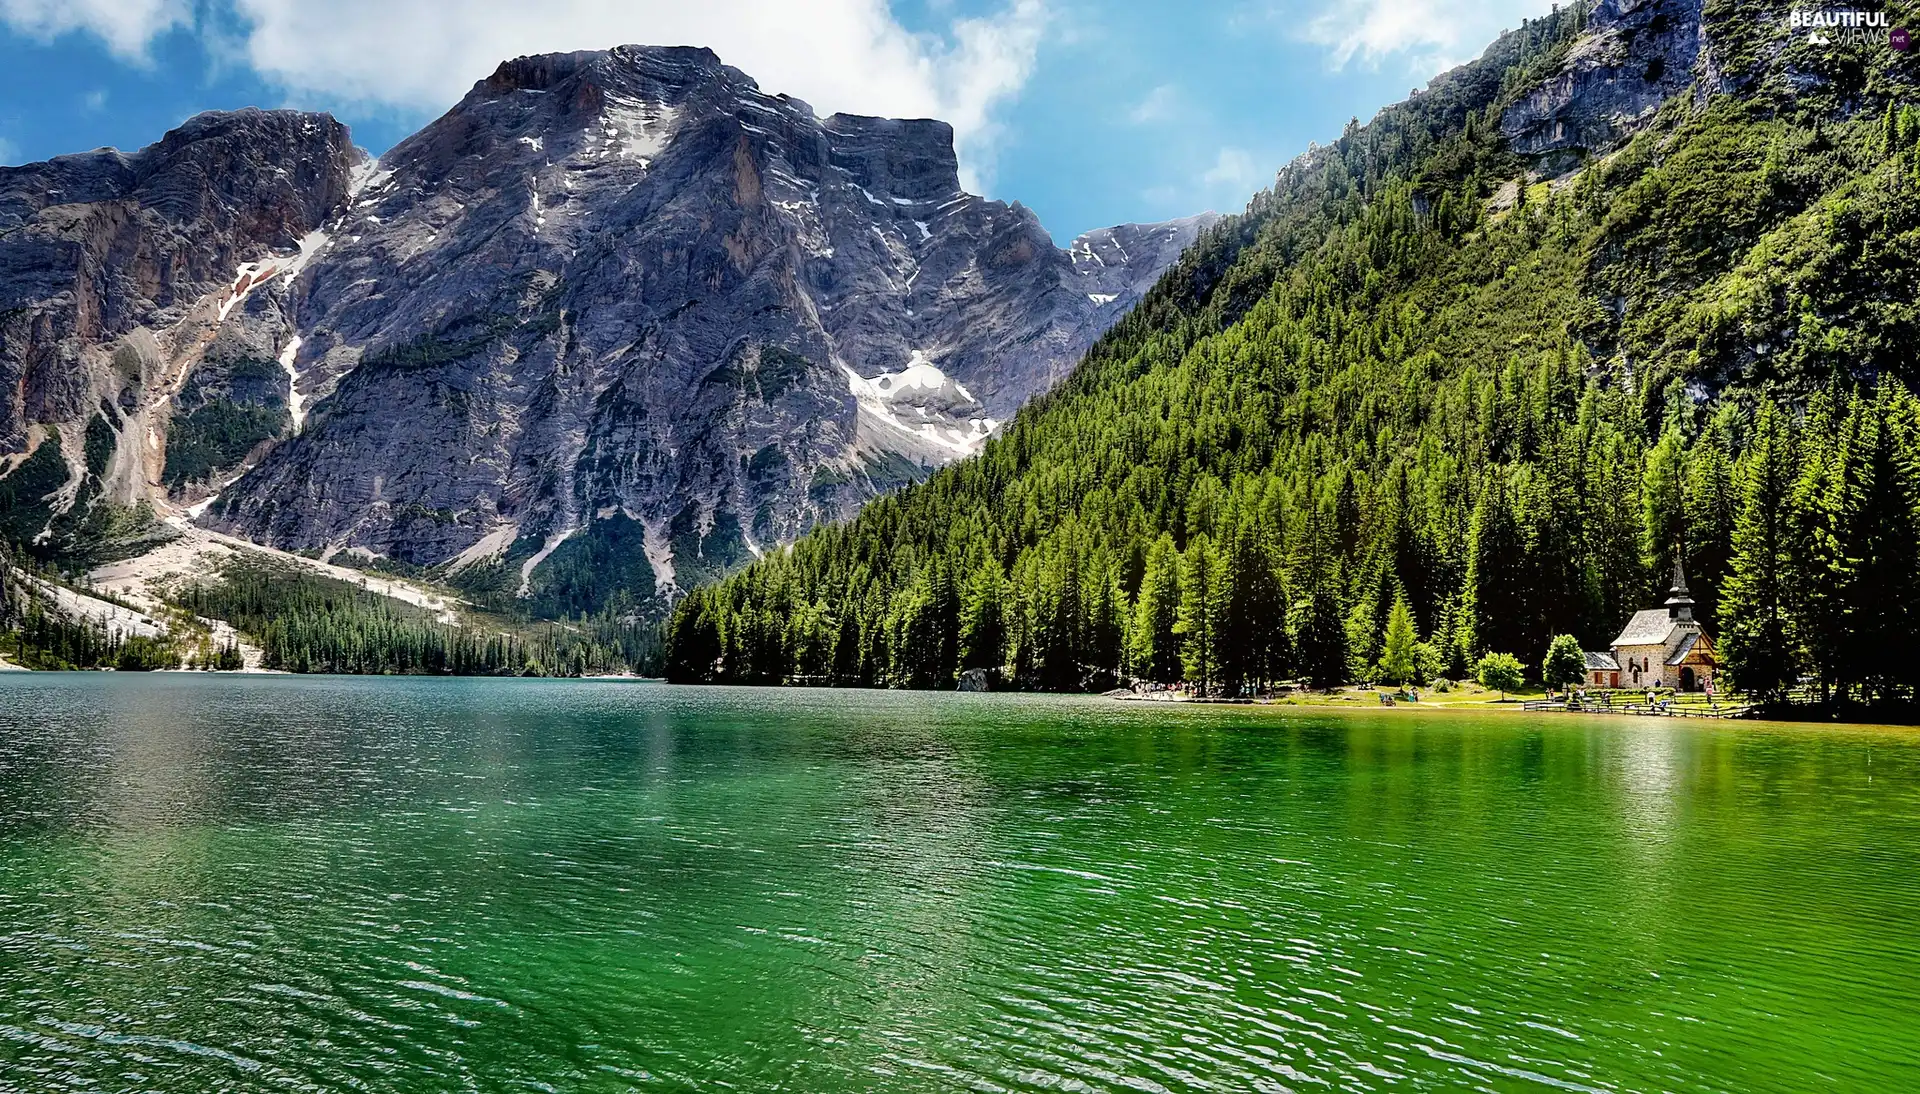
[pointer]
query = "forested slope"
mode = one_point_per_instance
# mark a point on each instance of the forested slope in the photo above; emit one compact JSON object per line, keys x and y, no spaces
{"x":1416,"y":370}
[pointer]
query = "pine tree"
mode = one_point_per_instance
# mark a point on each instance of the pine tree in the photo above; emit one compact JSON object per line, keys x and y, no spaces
{"x":1663,"y":505}
{"x":1104,"y":631}
{"x":983,"y":631}
{"x":1320,"y":639}
{"x":1499,"y":592}
{"x":1254,"y":643}
{"x":1875,"y":561}
{"x":1758,"y":643}
{"x":1711,"y":502}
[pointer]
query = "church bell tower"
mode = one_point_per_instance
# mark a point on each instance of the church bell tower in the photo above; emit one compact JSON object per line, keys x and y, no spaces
{"x":1679,"y":602}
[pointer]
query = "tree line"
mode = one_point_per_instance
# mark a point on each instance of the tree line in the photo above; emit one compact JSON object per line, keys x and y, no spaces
{"x":36,"y":634}
{"x":313,"y":624}
{"x":1803,"y":549}
{"x":1414,"y":408}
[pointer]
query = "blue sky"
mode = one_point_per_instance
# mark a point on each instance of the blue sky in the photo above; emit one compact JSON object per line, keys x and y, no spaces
{"x":1089,"y":113}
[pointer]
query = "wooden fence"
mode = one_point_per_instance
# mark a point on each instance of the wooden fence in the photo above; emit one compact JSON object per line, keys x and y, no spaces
{"x":1672,"y":705}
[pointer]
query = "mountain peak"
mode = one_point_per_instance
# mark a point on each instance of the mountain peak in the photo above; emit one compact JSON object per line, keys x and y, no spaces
{"x":619,"y":300}
{"x":912,"y":159}
{"x":679,"y":65}
{"x":605,"y":111}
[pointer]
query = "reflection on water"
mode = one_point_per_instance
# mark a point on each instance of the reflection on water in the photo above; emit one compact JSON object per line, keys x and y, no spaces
{"x":276,"y":883}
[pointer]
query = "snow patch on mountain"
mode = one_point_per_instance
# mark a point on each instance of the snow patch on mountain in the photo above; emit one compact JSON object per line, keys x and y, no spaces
{"x":245,"y":280}
{"x":637,"y":128}
{"x":925,"y":404}
{"x":367,"y":175}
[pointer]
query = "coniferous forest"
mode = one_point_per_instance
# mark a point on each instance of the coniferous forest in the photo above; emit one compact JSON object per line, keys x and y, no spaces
{"x":1416,"y":406}
{"x":306,"y":623}
{"x":35,"y":633}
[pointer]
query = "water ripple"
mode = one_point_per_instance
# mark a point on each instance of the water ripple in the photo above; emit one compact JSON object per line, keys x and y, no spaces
{"x":498,"y":885}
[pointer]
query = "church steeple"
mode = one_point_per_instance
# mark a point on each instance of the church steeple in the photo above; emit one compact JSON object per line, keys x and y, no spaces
{"x":1679,"y":602}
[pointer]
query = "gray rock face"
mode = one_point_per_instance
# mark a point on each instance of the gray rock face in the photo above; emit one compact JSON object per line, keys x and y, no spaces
{"x":1634,"y":56}
{"x":100,"y":250}
{"x":624,"y":301}
{"x":617,"y":320}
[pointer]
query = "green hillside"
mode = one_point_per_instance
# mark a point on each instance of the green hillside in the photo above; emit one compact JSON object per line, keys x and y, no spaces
{"x":1410,"y":374}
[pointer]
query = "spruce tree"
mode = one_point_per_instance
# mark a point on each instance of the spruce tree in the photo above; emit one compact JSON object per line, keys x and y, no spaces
{"x":1499,"y":591}
{"x":1758,"y":641}
{"x":1320,"y":639}
{"x":1710,"y":502}
{"x":1821,"y":570}
{"x":1875,"y":562}
{"x":1398,"y":660}
{"x":1253,"y":632}
{"x":1664,"y":518}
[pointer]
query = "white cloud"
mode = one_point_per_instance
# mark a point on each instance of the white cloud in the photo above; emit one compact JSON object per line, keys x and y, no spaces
{"x":1162,"y":104}
{"x":1235,"y":172}
{"x":1228,"y":183}
{"x":8,"y":151}
{"x":126,"y":26}
{"x":420,"y":56}
{"x":95,"y":99}
{"x":1427,"y":36}
{"x":838,"y":55}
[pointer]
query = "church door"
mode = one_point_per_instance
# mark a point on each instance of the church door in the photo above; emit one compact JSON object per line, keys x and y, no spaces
{"x":1686,"y":678}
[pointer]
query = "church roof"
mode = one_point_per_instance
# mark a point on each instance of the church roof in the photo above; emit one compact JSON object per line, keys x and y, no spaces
{"x":1685,"y":647}
{"x":1601,"y":662}
{"x":1647,"y":628}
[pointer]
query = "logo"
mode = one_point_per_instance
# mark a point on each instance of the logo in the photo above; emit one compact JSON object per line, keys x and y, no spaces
{"x":1847,"y":26}
{"x":1836,"y":17}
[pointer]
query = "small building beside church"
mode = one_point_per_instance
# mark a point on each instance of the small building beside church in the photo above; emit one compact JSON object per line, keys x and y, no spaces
{"x":1658,"y":648}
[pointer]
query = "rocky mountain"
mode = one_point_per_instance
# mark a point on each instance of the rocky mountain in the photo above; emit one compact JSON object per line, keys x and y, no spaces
{"x":1636,"y":291}
{"x":1634,"y":56}
{"x":116,"y":271}
{"x":617,"y":319}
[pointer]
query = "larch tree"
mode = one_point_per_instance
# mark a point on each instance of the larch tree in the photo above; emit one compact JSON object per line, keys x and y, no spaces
{"x":1198,"y":622}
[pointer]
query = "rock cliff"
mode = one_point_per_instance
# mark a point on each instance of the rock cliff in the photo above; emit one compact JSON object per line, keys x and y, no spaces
{"x":1634,"y":56}
{"x":116,"y":270}
{"x":616,"y":312}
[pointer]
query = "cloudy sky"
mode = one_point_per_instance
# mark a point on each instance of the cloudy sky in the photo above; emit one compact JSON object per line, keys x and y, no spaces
{"x":1092,"y":113}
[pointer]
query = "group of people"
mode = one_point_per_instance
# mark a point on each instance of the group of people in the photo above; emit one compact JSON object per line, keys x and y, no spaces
{"x":1578,"y":697}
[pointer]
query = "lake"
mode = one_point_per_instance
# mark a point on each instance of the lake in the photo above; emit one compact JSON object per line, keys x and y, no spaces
{"x":283,"y":883}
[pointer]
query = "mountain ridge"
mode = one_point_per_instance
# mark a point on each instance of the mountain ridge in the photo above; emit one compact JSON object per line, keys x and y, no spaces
{"x":619,"y":295}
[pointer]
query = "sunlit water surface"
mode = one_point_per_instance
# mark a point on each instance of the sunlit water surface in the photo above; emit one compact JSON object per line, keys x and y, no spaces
{"x":441,"y":885}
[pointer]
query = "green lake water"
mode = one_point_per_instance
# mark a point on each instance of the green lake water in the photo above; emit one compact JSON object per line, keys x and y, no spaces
{"x":259,"y":883}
